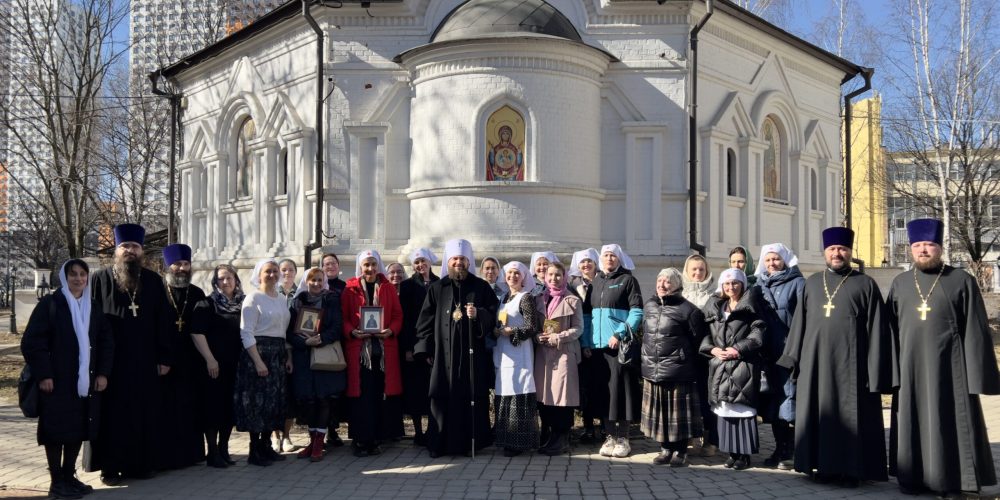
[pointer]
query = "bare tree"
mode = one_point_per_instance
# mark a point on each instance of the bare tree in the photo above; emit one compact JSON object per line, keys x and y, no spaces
{"x":57,"y":79}
{"x":943,"y":127}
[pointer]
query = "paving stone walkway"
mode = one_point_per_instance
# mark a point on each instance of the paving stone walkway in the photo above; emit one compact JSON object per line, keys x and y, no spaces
{"x":406,"y":472}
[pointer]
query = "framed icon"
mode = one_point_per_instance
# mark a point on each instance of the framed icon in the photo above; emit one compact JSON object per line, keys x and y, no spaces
{"x":371,"y":319}
{"x":308,"y":321}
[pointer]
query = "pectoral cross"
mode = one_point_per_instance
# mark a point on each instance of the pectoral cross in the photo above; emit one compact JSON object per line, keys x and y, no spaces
{"x":923,"y":311}
{"x":135,"y":310}
{"x":829,"y":305}
{"x":180,"y":324}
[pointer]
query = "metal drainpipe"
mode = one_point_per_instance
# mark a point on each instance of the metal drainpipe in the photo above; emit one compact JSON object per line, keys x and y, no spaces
{"x":693,"y":134}
{"x":320,"y":87}
{"x":866,"y":73}
{"x":175,"y":100}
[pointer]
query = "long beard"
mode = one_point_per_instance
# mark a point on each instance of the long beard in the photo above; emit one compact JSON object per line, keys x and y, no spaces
{"x":126,"y":275}
{"x":178,"y":280}
{"x":931,"y":265}
{"x":458,"y":274}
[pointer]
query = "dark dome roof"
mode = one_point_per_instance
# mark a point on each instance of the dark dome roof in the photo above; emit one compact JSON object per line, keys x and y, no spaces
{"x":493,"y":18}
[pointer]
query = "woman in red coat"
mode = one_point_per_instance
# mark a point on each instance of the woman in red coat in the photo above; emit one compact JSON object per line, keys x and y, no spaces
{"x":372,"y":351}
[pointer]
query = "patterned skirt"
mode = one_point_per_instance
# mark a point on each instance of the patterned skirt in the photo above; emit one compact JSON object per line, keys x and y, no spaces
{"x":671,"y":411}
{"x":259,"y":402}
{"x":515,"y":425}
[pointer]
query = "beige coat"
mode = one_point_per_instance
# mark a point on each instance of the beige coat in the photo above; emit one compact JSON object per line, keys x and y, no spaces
{"x":557,"y":381}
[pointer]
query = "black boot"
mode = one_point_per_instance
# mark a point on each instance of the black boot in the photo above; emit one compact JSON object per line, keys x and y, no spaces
{"x":58,"y":488}
{"x":267,"y":452}
{"x":224,"y":435}
{"x":71,"y":481}
{"x":256,"y":457}
{"x":557,"y":445}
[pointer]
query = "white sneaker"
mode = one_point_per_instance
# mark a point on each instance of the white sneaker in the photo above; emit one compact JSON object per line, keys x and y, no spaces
{"x":608,"y":447}
{"x":622,"y":448}
{"x":276,"y":444}
{"x":287,"y":446}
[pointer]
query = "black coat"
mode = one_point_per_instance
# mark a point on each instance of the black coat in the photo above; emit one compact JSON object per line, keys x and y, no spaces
{"x":307,"y":383}
{"x":737,"y":380}
{"x":50,"y":348}
{"x":672,"y":331}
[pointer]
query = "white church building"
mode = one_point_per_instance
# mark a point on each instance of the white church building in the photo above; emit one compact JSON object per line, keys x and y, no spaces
{"x":520,"y":125}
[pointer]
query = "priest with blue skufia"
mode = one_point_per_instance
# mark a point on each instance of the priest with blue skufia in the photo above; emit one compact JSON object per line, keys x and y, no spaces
{"x":135,"y":304}
{"x":839,"y":350}
{"x":945,"y":362}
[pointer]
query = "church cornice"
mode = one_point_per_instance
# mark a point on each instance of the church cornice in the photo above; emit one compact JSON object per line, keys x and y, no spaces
{"x":493,"y":56}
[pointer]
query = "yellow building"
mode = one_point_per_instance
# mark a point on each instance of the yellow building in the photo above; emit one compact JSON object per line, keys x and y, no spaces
{"x":869,"y":217}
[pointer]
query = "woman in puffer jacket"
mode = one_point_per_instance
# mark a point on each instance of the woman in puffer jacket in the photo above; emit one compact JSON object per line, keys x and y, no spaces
{"x":736,"y":334}
{"x":672,"y":331}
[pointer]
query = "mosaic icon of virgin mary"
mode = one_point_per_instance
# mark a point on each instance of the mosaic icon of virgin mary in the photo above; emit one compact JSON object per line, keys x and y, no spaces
{"x":504,"y":161}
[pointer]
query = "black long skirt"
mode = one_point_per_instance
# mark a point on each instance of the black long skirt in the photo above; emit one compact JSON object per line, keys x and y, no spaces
{"x":259,"y":402}
{"x":374,"y":416}
{"x":515,"y":425}
{"x":738,"y":435}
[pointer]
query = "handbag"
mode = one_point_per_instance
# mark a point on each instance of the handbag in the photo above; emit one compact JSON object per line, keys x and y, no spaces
{"x":629,"y":348}
{"x":328,"y":358}
{"x":27,"y":393}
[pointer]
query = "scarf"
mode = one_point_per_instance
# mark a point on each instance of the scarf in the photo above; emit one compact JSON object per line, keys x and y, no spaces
{"x":224,"y":305}
{"x":555,"y":297}
{"x":368,"y":349}
{"x":79,"y":310}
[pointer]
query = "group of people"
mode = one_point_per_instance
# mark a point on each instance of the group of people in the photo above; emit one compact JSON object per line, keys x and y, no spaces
{"x":154,"y":374}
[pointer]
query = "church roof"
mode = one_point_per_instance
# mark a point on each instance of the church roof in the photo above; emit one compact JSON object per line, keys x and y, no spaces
{"x":497,"y":18}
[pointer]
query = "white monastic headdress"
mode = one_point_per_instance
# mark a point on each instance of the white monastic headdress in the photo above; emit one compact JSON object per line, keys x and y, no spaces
{"x":458,"y":247}
{"x":623,"y":257}
{"x":779,"y":248}
{"x":368,"y":254}
{"x":527,"y":280}
{"x":578,"y":257}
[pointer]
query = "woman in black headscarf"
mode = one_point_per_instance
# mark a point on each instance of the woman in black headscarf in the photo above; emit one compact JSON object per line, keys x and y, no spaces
{"x":217,"y":338}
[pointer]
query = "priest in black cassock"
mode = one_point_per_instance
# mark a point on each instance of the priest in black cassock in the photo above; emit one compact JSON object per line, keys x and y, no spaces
{"x":181,"y":439}
{"x":840,"y":352}
{"x":458,"y":312}
{"x":945,"y":360}
{"x":133,"y":300}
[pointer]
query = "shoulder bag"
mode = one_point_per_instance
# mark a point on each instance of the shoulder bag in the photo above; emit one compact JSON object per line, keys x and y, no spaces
{"x":328,"y":358}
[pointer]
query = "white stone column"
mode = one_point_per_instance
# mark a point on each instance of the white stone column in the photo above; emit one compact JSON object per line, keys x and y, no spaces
{"x":750,"y":154}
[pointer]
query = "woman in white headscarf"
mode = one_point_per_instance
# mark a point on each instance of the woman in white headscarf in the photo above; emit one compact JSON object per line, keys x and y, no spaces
{"x":539,"y":263}
{"x":260,"y":379}
{"x":617,"y":313}
{"x":735,"y":336}
{"x":780,"y":283}
{"x":373,"y":376}
{"x":69,"y":348}
{"x":593,"y":369}
{"x":416,"y":373}
{"x":513,"y":357}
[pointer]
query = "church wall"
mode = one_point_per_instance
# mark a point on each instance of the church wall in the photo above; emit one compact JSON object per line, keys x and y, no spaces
{"x":606,"y":153}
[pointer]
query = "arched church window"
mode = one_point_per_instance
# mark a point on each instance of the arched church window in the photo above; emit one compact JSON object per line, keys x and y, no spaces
{"x":732,"y":177}
{"x":504,"y":141}
{"x":773,"y":171}
{"x":244,"y":160}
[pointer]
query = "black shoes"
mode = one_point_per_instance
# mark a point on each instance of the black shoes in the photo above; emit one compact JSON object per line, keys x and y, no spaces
{"x":680,"y":460}
{"x":730,"y":461}
{"x":558,"y":444}
{"x":663,"y":458}
{"x":742,"y":463}
{"x":333,"y":439}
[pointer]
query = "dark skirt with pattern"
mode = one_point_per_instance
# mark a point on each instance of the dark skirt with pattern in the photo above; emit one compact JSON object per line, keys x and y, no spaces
{"x":259,"y":402}
{"x":671,"y":411}
{"x":738,"y":435}
{"x":515,"y":425}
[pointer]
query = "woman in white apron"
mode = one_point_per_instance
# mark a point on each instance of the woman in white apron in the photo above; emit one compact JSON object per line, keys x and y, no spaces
{"x":514,"y":359}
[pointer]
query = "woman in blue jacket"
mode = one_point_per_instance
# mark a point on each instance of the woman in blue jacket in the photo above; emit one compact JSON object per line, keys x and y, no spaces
{"x":780,"y":284}
{"x":617,"y":312}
